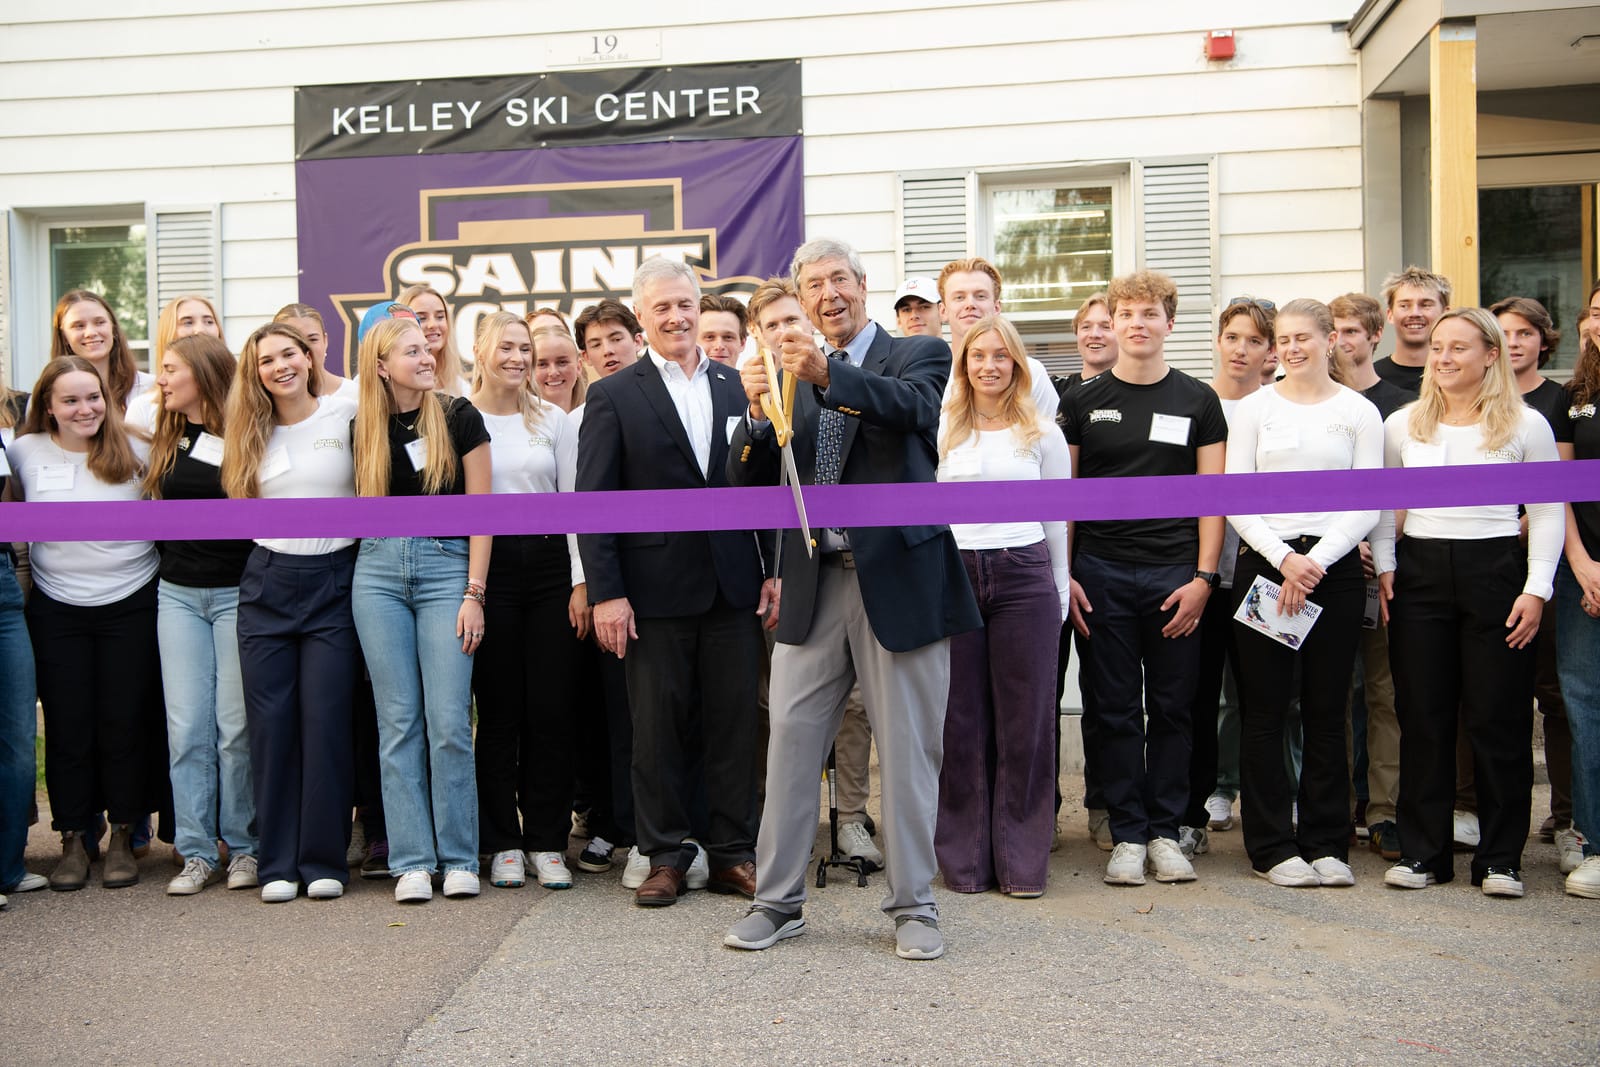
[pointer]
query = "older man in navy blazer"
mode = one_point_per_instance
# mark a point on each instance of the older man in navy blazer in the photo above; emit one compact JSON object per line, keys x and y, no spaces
{"x":680,"y":609}
{"x":874,"y":605}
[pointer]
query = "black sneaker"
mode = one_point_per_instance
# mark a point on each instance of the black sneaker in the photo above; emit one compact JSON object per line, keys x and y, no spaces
{"x":1500,"y":882}
{"x":596,"y":856}
{"x":376,"y":865}
{"x":1409,"y":874}
{"x":1384,"y":839}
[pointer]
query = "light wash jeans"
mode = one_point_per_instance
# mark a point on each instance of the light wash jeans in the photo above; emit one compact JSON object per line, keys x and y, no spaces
{"x":406,"y":596}
{"x":208,"y":746}
{"x":18,"y":725}
{"x":1577,"y":652}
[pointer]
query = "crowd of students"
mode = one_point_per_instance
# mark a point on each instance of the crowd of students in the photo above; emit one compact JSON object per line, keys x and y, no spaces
{"x":257,"y":694}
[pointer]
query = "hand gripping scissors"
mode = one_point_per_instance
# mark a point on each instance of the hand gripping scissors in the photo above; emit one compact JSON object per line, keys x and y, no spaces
{"x":779,"y":410}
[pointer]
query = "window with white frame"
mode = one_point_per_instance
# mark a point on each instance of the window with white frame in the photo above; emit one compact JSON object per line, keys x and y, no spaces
{"x":108,"y":259}
{"x":1054,"y":243}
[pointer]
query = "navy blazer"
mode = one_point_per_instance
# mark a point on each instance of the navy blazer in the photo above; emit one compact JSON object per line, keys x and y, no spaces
{"x":913,"y":583}
{"x":631,"y":438}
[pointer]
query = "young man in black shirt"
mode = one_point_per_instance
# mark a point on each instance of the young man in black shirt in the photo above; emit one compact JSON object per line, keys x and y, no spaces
{"x":1416,"y":299}
{"x":1139,"y":587}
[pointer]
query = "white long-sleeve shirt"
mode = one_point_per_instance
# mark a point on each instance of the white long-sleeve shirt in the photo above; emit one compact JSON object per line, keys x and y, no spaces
{"x":1269,"y":432}
{"x":1456,"y":446}
{"x":996,"y":456}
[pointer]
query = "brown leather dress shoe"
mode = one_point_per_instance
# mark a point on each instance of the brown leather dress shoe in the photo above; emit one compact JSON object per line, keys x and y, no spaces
{"x":664,"y":886}
{"x":740,"y":879}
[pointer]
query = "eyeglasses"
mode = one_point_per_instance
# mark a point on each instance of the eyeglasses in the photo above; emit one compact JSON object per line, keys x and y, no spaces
{"x":1264,"y":305}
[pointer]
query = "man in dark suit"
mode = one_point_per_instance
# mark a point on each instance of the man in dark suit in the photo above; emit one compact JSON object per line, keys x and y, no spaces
{"x":874,"y":605}
{"x":680,"y":609}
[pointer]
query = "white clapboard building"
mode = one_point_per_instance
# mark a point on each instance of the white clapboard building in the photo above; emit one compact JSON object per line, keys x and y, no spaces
{"x":1243,"y":146}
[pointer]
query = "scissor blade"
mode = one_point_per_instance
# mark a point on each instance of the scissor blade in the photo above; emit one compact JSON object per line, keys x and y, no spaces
{"x":793,"y":479}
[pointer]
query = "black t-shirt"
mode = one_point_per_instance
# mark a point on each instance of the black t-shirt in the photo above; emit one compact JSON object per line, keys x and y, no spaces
{"x":199,"y":564}
{"x":1388,"y":397}
{"x":1579,"y":426}
{"x":1119,"y":430}
{"x":1549,"y":399}
{"x":467,"y":431}
{"x":1407,"y":378}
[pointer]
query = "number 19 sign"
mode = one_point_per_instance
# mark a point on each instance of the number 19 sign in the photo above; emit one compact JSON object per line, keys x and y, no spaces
{"x":588,"y":49}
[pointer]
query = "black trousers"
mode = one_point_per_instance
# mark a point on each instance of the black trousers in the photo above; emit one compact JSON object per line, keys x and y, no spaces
{"x":99,"y":677}
{"x":1267,"y":685}
{"x":364,"y":739}
{"x":298,"y":655}
{"x":526,"y":676}
{"x":692,"y":684}
{"x":1448,"y":653}
{"x":1217,"y":654}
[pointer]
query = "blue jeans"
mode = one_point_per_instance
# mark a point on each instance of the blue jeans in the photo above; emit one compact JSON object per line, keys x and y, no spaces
{"x":1577,"y":651}
{"x":208,"y":746}
{"x":406,"y":596}
{"x":17,"y":728}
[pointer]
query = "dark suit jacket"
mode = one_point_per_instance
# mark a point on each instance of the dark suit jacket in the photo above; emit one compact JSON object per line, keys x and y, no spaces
{"x":913,"y":583}
{"x":632,"y":438}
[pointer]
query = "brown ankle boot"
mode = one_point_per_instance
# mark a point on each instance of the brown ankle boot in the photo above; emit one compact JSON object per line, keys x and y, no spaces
{"x":73,"y":870}
{"x":120,"y":869}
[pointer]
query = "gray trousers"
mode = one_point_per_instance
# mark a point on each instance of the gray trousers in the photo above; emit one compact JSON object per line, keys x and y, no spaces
{"x":905,"y":695}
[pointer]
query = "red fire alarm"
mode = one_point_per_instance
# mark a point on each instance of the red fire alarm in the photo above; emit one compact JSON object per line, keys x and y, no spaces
{"x":1219,"y":44}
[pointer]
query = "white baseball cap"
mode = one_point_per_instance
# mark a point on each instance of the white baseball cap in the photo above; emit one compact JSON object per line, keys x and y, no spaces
{"x":921,"y":288}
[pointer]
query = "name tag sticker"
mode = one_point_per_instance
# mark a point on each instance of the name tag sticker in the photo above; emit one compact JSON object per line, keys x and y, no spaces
{"x":733,"y":424}
{"x":55,"y":477}
{"x":1279,"y":438}
{"x":962,"y":465}
{"x":1169,"y":429}
{"x":207,"y":449}
{"x":1418,"y":454}
{"x":418,"y":451}
{"x":275,"y":463}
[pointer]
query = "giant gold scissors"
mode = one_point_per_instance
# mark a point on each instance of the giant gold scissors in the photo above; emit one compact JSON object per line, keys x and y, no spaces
{"x":779,"y":408}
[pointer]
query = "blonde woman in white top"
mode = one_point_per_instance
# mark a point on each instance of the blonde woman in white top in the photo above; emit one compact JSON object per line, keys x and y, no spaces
{"x":1464,"y":598}
{"x":997,"y":812}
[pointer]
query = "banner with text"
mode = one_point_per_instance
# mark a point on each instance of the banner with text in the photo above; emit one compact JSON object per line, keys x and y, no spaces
{"x":502,"y":223}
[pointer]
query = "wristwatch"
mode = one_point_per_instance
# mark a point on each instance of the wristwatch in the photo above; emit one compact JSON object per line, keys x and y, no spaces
{"x":1211,"y":578}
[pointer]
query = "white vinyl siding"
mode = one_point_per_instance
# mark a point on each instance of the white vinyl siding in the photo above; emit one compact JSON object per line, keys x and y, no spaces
{"x":193,"y":103}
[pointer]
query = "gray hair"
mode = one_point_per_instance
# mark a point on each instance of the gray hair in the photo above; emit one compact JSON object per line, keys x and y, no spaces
{"x":824,"y":248}
{"x":660,"y":268}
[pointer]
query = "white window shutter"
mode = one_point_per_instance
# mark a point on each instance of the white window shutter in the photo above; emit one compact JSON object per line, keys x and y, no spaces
{"x":934,"y":221}
{"x":183,"y":244}
{"x":1178,"y":237}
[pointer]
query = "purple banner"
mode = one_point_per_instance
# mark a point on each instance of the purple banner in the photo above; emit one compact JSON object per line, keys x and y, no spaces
{"x":563,"y":227}
{"x":835,"y":505}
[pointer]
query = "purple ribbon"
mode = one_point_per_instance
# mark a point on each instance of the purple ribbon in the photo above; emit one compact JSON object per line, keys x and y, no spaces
{"x":768,"y":507}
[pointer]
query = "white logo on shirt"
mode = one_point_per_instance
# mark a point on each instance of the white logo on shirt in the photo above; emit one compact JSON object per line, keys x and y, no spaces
{"x":328,"y":442}
{"x":1581,"y":411}
{"x":1502,"y":455}
{"x":1105,"y":415}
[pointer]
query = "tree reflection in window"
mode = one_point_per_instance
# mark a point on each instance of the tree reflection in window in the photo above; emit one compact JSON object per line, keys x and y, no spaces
{"x":1052,"y":245}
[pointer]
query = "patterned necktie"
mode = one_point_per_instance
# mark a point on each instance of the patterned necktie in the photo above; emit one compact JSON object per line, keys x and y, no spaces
{"x":830,"y":441}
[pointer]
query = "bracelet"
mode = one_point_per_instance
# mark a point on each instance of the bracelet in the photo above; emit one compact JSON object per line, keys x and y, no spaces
{"x":475,"y":591}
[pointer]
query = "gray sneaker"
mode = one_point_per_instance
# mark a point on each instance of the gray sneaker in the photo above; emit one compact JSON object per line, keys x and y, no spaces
{"x":917,"y":937}
{"x":1193,"y":841}
{"x":855,"y":843}
{"x":242,"y":872}
{"x":195,"y":876}
{"x":762,"y":928}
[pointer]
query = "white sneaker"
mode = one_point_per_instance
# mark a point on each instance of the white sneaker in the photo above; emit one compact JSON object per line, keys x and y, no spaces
{"x":413,"y":887}
{"x":195,"y":876}
{"x":855,"y":842}
{"x":279,"y":891}
{"x":509,"y":869}
{"x":1333,"y":872}
{"x":1502,"y":884}
{"x":1585,"y":881}
{"x":1295,"y":873}
{"x":460,"y":884}
{"x":551,"y":870}
{"x":30,"y":883}
{"x":325,"y":889}
{"x":1100,"y":829}
{"x":1465,"y":831}
{"x":1194,"y":841}
{"x":242,"y":873}
{"x":1219,"y":810}
{"x":699,"y":873}
{"x":1569,"y":844}
{"x":1126,"y":866}
{"x":1168,"y":862}
{"x":636,"y":870}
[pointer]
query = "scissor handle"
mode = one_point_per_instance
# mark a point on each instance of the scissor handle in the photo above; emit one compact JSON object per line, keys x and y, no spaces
{"x":778,"y":408}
